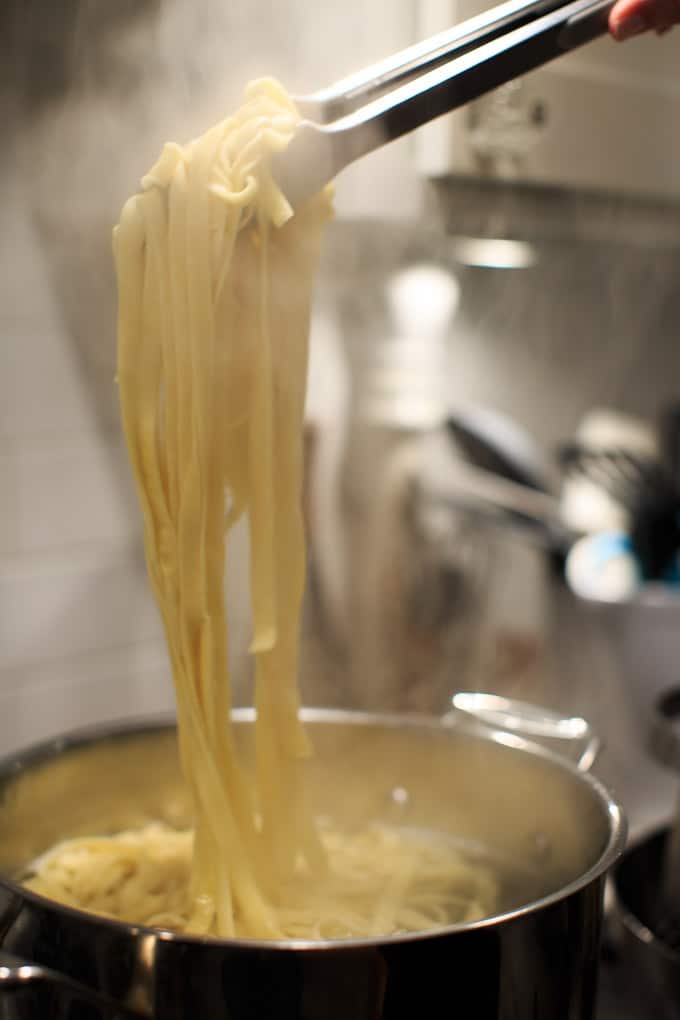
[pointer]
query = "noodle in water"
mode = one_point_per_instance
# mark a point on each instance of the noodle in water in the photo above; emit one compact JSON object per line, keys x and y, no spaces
{"x":215,"y":276}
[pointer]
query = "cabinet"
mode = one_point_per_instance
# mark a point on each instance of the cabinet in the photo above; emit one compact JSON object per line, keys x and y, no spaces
{"x":606,"y":118}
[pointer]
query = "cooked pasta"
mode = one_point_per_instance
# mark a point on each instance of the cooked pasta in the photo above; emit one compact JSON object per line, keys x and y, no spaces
{"x":379,"y":880}
{"x":215,"y":275}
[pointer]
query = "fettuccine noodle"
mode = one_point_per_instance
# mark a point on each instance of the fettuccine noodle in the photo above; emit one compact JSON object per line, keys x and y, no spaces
{"x":215,"y":275}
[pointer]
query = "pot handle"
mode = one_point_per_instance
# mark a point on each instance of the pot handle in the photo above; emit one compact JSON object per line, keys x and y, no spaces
{"x":17,"y":973}
{"x":572,"y":737}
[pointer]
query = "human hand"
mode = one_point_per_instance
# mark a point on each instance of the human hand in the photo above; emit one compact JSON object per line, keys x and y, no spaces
{"x":631,"y":17}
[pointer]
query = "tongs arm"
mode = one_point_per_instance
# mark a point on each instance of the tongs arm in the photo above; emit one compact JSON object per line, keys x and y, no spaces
{"x":362,"y":87}
{"x":319,"y":151}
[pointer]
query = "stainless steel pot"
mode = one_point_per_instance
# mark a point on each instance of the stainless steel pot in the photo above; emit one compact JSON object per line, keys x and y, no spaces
{"x":551,"y":831}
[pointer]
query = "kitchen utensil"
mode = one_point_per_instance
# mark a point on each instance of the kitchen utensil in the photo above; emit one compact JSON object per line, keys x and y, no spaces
{"x":551,"y":830}
{"x":497,"y":500}
{"x":644,"y":489}
{"x":623,"y":473}
{"x":496,"y":443}
{"x":383,"y":102}
{"x":513,"y":488}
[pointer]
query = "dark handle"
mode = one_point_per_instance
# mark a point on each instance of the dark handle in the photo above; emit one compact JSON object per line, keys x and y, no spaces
{"x":17,"y":974}
{"x":586,"y":25}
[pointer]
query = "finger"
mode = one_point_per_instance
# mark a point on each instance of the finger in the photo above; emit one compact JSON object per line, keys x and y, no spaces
{"x":630,"y":17}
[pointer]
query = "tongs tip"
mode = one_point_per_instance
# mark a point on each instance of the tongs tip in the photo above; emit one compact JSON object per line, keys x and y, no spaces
{"x":306,"y":166}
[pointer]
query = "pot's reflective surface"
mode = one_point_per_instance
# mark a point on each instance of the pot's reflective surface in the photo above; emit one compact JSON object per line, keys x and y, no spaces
{"x":553,"y":831}
{"x":642,"y":916}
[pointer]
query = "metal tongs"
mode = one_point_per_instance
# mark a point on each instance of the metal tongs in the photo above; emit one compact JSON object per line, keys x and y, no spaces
{"x":383,"y":102}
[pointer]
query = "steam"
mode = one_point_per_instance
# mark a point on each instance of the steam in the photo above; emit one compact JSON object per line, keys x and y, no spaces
{"x":95,"y":87}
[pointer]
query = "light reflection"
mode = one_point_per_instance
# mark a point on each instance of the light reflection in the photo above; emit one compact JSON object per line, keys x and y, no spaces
{"x":494,"y":253}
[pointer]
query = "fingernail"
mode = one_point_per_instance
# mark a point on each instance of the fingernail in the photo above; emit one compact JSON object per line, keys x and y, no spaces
{"x":628,"y":27}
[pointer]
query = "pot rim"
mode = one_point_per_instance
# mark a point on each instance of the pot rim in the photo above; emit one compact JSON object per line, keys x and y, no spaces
{"x":13,"y":764}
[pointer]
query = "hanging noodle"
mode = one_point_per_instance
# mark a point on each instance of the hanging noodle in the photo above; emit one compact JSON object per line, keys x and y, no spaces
{"x":215,"y":276}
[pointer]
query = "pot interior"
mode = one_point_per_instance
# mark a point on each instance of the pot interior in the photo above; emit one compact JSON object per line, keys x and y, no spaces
{"x":538,"y":822}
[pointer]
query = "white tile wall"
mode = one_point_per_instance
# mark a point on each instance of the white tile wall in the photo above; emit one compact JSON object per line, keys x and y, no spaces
{"x":56,"y":605}
{"x":80,"y":637}
{"x":63,"y":490}
{"x":40,"y":386}
{"x":49,"y":699}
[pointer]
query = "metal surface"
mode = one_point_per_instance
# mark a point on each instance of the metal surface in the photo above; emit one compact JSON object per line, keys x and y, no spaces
{"x":360,"y":88}
{"x":664,"y":745}
{"x":558,"y":828}
{"x":646,"y":887}
{"x":491,"y":56}
{"x":22,"y":978}
{"x":502,"y":503}
{"x":573,"y":737}
{"x":639,"y":911}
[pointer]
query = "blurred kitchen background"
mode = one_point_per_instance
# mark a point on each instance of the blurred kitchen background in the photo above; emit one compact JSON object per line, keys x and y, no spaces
{"x":513,"y":269}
